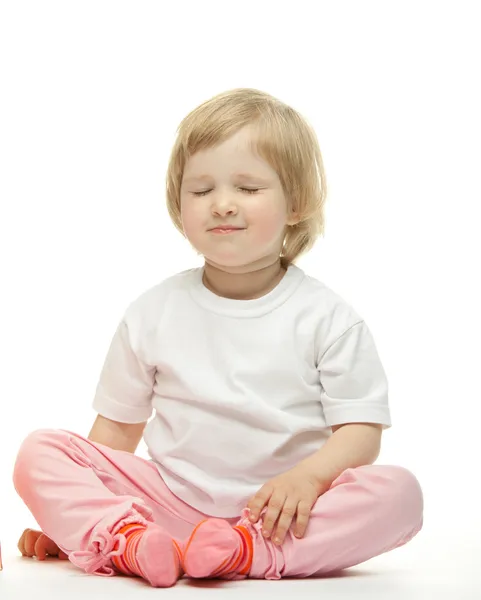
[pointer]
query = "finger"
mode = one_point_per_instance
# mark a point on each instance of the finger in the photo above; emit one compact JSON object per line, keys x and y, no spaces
{"x":274,"y":509}
{"x":62,"y":555}
{"x":287,"y":515}
{"x":302,"y":520}
{"x":258,"y":502}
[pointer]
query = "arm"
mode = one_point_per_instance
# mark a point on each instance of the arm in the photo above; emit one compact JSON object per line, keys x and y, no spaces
{"x":294,"y":493}
{"x":116,"y":435}
{"x":351,"y":445}
{"x":354,"y":391}
{"x":123,"y":399}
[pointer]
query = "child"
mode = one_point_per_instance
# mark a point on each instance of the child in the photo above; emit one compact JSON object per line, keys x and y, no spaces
{"x":269,"y":395}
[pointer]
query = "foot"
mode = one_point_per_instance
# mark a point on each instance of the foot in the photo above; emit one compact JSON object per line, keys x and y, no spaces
{"x":152,"y":554}
{"x":215,"y":549}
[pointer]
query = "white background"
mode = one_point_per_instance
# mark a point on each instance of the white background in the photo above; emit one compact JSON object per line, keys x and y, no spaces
{"x":91,"y":95}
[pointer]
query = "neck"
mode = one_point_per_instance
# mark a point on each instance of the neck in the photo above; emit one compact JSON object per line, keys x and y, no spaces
{"x":243,"y":286}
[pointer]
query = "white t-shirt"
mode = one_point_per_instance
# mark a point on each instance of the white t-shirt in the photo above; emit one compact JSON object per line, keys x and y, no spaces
{"x":242,"y":390}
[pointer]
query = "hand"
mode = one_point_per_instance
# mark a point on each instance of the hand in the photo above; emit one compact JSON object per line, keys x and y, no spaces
{"x":288,"y":496}
{"x":35,"y":543}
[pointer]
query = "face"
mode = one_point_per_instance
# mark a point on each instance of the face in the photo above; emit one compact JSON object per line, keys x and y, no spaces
{"x":229,"y":185}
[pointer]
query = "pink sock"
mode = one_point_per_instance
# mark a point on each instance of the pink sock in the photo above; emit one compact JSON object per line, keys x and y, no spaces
{"x":217,"y":550}
{"x":151,"y":554}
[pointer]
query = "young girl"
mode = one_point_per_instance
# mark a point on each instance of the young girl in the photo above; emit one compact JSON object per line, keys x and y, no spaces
{"x":268,"y":392}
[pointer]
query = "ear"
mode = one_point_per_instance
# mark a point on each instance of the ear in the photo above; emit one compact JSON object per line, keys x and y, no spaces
{"x":292,"y":219}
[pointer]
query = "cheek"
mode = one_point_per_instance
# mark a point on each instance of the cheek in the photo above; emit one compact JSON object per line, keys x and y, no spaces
{"x":268,"y":222}
{"x":191,"y":219}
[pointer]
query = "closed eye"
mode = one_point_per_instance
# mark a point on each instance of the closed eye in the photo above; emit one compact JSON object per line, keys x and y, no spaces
{"x":248,"y":190}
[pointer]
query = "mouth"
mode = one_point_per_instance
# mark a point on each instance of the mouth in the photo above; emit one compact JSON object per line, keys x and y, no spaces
{"x":224,"y":230}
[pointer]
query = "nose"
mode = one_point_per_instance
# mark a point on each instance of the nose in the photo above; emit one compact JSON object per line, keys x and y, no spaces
{"x":224,"y":206}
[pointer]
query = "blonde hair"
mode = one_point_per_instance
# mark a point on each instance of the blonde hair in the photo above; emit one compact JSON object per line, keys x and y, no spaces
{"x":285,"y":140}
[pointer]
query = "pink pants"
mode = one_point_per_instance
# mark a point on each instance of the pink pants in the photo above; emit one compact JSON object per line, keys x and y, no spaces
{"x":81,"y":493}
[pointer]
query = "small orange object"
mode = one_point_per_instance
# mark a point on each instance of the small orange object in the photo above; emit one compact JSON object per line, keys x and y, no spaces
{"x":1,"y":566}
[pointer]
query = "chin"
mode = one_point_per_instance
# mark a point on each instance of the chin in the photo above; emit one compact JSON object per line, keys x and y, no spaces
{"x":227,"y":259}
{"x":227,"y":262}
{"x":237,"y":264}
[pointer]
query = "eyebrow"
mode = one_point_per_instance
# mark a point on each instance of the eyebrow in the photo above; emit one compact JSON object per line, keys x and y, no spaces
{"x":245,"y":176}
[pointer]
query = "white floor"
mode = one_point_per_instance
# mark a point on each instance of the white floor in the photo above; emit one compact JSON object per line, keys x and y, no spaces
{"x":436,"y":565}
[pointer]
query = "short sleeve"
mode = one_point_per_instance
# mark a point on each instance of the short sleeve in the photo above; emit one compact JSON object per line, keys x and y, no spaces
{"x":124,"y":392}
{"x":354,"y":388}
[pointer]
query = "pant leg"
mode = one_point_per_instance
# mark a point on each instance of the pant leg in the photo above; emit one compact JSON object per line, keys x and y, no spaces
{"x":366,"y":512}
{"x":81,"y":493}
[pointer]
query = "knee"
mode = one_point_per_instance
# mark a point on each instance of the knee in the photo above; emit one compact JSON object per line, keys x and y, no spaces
{"x":403,"y":491}
{"x":36,"y":440}
{"x":31,"y":452}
